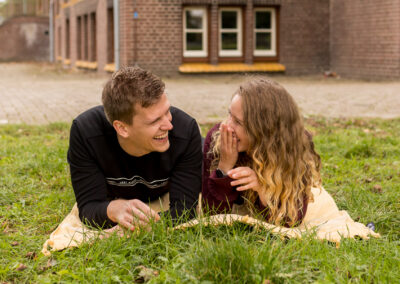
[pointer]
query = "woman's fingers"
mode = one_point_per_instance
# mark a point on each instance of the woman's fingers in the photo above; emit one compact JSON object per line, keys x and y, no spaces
{"x":240,"y":172}
{"x":234,"y":143}
{"x":229,"y":139}
{"x":252,"y":186}
{"x":245,"y":180}
{"x":223,"y":135}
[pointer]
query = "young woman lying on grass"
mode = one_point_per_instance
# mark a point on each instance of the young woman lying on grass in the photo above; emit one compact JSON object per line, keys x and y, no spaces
{"x":261,"y":157}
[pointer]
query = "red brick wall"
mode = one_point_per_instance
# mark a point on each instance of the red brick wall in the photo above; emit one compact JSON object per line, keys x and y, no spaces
{"x":24,"y":38}
{"x":304,"y":35}
{"x":157,"y":43}
{"x":357,"y":38}
{"x":101,"y":34}
{"x":365,"y":38}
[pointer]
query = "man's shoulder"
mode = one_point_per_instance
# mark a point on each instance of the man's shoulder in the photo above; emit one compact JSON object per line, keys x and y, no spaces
{"x":93,"y":122}
{"x":183,"y":123}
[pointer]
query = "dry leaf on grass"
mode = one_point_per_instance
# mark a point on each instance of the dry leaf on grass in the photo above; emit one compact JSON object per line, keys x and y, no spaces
{"x":376,"y":189}
{"x":21,"y":267}
{"x":30,"y":255}
{"x":50,"y":263}
{"x":145,"y":274}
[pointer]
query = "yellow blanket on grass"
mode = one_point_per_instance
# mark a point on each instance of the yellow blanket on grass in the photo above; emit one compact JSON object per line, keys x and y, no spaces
{"x":323,"y":220}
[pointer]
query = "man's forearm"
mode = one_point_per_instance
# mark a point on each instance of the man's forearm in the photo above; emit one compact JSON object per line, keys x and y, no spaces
{"x":95,"y":214}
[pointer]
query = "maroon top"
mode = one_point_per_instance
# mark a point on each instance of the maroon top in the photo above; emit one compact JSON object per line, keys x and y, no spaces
{"x":218,"y":193}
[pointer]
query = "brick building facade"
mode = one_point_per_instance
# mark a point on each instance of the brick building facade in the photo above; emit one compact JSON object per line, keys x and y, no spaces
{"x":24,"y":38}
{"x":24,"y":30}
{"x":298,"y":36}
{"x":365,"y":38}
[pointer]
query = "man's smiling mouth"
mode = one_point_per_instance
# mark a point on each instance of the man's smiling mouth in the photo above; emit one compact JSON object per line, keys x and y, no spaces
{"x":161,"y":137}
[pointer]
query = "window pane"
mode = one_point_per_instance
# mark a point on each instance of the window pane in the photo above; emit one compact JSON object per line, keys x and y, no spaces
{"x":194,"y":19}
{"x":263,"y":41}
{"x":229,"y":19}
{"x":194,"y":41}
{"x":263,"y":20}
{"x":229,"y":41}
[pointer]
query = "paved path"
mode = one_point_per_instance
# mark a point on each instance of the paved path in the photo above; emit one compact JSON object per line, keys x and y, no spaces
{"x":42,"y":93}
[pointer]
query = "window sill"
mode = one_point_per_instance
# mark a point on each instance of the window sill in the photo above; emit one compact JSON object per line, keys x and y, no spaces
{"x":110,"y":67}
{"x":231,"y":67}
{"x":86,"y":65}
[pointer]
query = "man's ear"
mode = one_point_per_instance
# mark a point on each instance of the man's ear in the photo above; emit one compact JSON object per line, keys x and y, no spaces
{"x":121,"y":128}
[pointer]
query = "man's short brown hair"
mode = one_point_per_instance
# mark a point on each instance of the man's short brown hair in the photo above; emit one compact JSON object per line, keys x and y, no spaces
{"x":127,"y":87}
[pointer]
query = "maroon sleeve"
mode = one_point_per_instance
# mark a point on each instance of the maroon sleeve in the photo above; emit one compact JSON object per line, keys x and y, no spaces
{"x":218,"y":194}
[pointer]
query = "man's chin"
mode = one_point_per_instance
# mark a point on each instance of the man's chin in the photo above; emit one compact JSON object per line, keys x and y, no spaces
{"x":162,"y":148}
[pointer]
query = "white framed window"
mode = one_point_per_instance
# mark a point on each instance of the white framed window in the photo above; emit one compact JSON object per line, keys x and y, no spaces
{"x":264,"y":32}
{"x":195,"y":32}
{"x":230,"y":32}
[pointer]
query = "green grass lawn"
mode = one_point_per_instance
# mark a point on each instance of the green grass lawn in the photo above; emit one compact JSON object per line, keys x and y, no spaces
{"x":361,"y":169}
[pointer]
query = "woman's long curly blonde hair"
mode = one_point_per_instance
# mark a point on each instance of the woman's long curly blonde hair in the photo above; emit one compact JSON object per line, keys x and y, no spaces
{"x":281,"y":151}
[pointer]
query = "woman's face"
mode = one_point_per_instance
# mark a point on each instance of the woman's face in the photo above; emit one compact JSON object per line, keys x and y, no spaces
{"x":235,"y":121}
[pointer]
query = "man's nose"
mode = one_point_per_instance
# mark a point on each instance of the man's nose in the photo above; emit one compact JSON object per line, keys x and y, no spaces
{"x":167,"y":125}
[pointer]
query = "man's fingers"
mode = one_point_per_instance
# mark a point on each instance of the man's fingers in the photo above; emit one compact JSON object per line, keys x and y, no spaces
{"x":128,"y":218}
{"x":139,"y":223}
{"x":146,"y":210}
{"x":127,"y":225}
{"x":140,"y":215}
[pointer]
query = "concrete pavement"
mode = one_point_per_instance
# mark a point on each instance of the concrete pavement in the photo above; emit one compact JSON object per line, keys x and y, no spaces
{"x":43,"y":93}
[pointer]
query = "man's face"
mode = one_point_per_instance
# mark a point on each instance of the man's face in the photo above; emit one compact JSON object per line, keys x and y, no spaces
{"x":150,"y":126}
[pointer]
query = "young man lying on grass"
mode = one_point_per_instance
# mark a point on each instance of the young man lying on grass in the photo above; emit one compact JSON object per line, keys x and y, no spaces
{"x":134,"y":149}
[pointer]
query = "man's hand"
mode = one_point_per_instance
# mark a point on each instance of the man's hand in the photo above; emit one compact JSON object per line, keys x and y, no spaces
{"x":229,"y":152}
{"x":129,"y":213}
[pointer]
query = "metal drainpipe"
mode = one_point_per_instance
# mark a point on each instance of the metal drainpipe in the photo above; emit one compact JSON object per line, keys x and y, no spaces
{"x":51,"y":31}
{"x":116,"y":34}
{"x":135,"y":24}
{"x":24,"y":7}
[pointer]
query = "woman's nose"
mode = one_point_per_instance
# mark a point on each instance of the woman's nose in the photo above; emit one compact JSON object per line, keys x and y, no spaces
{"x":229,"y":121}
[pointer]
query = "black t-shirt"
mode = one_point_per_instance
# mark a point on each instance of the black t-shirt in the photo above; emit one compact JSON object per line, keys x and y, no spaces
{"x":102,"y":171}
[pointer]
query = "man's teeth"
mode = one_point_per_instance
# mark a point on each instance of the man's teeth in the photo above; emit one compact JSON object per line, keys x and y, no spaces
{"x":161,"y":136}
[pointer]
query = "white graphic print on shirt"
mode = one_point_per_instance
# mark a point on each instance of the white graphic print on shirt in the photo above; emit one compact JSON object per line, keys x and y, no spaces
{"x":135,"y":180}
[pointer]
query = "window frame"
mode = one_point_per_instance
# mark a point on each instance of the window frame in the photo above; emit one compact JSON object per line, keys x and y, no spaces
{"x":204,"y":31}
{"x":239,"y":51}
{"x":273,"y":30}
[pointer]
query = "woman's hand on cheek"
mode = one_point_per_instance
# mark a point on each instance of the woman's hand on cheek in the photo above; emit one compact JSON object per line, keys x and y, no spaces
{"x":244,"y":178}
{"x":229,"y":152}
